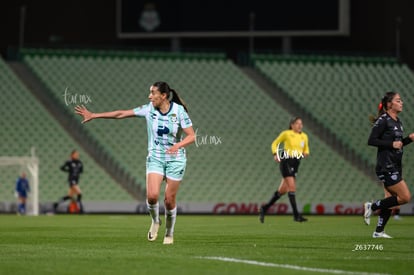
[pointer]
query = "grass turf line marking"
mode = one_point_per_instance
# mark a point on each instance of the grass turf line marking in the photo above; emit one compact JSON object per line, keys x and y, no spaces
{"x":288,"y":266}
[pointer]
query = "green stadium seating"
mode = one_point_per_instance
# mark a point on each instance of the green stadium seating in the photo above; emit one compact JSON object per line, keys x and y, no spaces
{"x":26,"y":123}
{"x":222,"y":103}
{"x":342,"y":95}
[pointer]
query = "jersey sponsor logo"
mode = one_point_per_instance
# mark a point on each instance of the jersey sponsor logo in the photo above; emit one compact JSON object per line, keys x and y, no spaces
{"x":162,"y":130}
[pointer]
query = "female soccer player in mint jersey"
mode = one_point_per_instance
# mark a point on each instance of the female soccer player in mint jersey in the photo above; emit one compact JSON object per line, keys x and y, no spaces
{"x":295,"y":147}
{"x":167,"y":121}
{"x":387,"y":136}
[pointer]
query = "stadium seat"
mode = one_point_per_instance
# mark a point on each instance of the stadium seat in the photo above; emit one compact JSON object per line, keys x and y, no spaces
{"x":222,"y":103}
{"x":25,"y":124}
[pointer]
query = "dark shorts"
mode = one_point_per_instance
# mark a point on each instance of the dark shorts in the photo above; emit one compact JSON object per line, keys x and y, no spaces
{"x":22,"y":195}
{"x":72,"y":182}
{"x":289,"y":167}
{"x":390,"y":178}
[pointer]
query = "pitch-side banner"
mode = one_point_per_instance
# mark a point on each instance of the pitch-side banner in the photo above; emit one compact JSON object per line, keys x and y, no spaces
{"x":219,"y":208}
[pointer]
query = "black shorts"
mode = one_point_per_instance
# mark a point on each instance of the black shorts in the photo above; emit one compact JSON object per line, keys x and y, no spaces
{"x":390,"y":178}
{"x":72,"y":182}
{"x":289,"y":167}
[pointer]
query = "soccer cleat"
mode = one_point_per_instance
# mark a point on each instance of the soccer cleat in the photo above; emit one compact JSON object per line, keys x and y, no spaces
{"x":367,"y":213}
{"x":381,"y":235}
{"x":168,"y":239}
{"x":261,"y":214}
{"x":300,"y":219}
{"x":153,"y":232}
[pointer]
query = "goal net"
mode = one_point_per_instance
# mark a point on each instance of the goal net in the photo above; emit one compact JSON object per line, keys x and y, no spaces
{"x":10,"y":169}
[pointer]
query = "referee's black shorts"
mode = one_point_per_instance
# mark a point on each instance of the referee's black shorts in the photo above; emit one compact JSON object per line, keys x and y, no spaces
{"x":289,"y":167}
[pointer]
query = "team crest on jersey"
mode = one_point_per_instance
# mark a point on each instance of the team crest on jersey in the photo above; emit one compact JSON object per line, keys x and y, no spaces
{"x":173,"y":118}
{"x":153,"y":115}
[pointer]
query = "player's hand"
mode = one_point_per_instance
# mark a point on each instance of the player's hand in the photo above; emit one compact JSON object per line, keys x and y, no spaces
{"x":411,"y":136}
{"x":276,"y":157}
{"x":173,"y":149}
{"x":85,"y":113}
{"x":397,"y":144}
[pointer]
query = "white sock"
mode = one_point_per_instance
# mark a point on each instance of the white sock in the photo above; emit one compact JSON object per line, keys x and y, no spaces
{"x":153,"y":209}
{"x":170,"y":217}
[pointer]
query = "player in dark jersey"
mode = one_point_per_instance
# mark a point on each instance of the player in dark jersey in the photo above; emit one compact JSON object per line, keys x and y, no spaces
{"x":387,"y":136}
{"x":74,"y":167}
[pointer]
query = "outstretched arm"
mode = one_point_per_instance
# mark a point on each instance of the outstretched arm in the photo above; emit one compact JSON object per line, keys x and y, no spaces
{"x":88,"y":115}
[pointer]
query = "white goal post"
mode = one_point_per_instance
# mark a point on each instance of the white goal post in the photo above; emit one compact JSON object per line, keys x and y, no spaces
{"x":31,"y":165}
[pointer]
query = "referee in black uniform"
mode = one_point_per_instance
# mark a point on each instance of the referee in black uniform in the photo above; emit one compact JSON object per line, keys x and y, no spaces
{"x":387,"y":136}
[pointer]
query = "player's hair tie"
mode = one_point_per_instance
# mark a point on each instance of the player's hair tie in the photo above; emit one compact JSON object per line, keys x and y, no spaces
{"x":380,"y":106}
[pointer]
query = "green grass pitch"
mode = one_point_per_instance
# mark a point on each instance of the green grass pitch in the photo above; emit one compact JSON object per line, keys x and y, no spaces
{"x":117,"y":244}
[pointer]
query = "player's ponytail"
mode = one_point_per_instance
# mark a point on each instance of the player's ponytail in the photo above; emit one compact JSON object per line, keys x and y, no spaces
{"x":383,"y":106}
{"x":177,"y":99}
{"x":172,"y":95}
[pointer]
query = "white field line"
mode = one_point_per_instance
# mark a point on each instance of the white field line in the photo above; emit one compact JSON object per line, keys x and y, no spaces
{"x":288,"y":266}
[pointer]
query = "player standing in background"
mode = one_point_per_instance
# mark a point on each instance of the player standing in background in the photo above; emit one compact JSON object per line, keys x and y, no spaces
{"x":387,"y":136}
{"x":74,"y":167}
{"x":22,"y":189}
{"x":296,"y":147}
{"x":167,"y":120}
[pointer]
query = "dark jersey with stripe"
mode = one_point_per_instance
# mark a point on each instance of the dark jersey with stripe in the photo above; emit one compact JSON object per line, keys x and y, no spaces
{"x":74,"y":167}
{"x":385,"y":131}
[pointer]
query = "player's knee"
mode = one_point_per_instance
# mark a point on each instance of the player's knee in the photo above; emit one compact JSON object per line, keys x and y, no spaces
{"x":152,"y":199}
{"x":169,"y":202}
{"x":405,"y":198}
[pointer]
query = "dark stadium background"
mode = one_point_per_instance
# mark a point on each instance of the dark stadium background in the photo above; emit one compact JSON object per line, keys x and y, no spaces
{"x":92,"y":24}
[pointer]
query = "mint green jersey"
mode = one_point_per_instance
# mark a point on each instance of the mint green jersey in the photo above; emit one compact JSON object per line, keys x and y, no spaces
{"x":164,"y":130}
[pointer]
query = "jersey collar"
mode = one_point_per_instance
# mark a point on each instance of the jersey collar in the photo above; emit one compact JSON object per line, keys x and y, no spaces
{"x":164,"y":114}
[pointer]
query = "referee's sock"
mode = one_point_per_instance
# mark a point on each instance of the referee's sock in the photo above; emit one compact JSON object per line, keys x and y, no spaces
{"x":383,"y":219}
{"x":384,"y":203}
{"x":292,"y":199}
{"x":153,"y":209}
{"x":272,"y":200}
